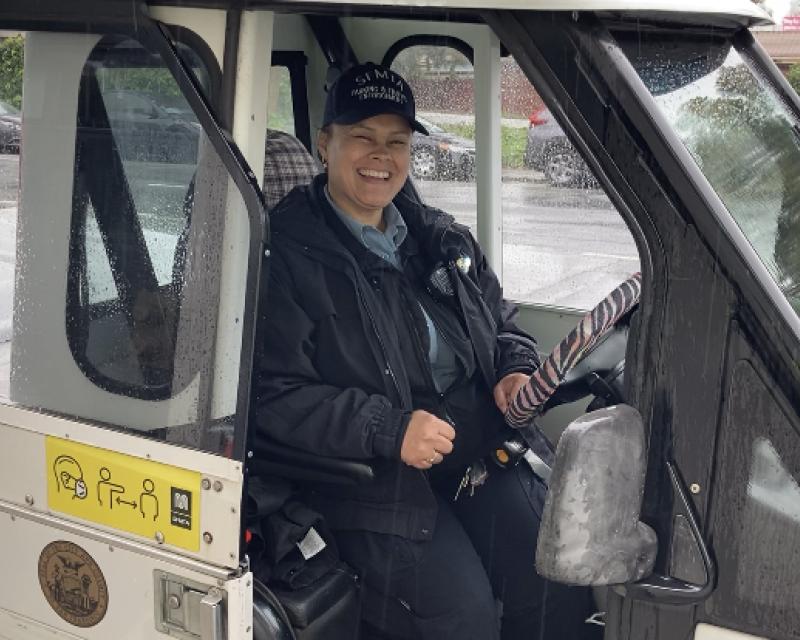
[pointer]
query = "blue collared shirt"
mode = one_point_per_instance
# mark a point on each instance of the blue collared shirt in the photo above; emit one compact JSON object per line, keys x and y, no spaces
{"x":386,"y":244}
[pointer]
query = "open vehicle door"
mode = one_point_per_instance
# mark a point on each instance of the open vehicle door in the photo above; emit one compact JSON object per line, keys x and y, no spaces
{"x":126,"y":365}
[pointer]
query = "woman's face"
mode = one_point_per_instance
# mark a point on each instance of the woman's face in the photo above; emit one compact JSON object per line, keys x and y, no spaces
{"x":367,"y":163}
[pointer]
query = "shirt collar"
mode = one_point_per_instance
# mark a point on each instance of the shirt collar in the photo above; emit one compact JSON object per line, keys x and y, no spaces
{"x":396,"y":230}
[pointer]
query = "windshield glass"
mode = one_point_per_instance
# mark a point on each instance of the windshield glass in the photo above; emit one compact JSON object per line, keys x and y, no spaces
{"x":743,"y":138}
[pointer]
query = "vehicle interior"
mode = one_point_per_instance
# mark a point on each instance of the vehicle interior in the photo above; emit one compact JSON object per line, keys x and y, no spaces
{"x":141,"y":204}
{"x":308,"y":52}
{"x":150,"y":341}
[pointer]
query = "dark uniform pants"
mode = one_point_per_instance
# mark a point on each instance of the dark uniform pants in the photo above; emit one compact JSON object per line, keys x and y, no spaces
{"x":476,"y":579}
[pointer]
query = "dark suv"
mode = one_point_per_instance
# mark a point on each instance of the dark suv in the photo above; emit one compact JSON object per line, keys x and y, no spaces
{"x":548,"y":150}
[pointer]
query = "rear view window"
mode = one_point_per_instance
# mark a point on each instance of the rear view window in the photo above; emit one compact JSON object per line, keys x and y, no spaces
{"x":136,"y":158}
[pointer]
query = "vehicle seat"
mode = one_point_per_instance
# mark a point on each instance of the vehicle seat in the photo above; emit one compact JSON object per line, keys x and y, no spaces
{"x":328,"y":609}
{"x":287,"y":164}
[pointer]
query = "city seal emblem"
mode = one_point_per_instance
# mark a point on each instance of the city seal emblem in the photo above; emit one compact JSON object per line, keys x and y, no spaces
{"x":73,"y":584}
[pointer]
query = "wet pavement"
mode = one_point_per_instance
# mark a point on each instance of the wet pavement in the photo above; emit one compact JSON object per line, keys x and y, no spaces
{"x":561,"y":246}
{"x":9,"y":180}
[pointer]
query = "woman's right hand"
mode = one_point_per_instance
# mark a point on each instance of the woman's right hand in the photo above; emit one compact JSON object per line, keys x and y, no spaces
{"x":427,"y":441}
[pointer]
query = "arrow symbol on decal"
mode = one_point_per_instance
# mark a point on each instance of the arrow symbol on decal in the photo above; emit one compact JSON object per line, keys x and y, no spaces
{"x":130,"y":504}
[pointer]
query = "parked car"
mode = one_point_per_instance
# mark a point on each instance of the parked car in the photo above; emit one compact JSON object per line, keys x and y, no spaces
{"x":10,"y":128}
{"x":441,"y":155}
{"x":548,"y":150}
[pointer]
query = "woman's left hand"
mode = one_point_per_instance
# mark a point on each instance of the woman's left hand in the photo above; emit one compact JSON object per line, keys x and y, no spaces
{"x":506,"y":390}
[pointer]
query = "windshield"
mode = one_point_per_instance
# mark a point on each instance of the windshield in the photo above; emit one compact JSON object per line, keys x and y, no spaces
{"x":743,"y":138}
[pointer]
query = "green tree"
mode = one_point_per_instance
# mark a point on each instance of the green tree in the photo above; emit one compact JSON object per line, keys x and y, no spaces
{"x":793,"y":76}
{"x":156,"y":81}
{"x":11,"y":52}
{"x":746,"y":146}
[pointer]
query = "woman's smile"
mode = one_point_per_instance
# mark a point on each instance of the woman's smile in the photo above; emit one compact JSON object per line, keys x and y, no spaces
{"x":367,"y":164}
{"x":374,"y":173}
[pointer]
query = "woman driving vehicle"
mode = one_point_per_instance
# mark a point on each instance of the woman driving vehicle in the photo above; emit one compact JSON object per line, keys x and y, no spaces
{"x":387,"y":339}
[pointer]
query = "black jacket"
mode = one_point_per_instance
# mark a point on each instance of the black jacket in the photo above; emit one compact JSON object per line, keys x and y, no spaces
{"x":344,"y":356}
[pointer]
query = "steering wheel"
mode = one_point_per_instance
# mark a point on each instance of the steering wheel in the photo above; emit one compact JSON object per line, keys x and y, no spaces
{"x":542,"y":384}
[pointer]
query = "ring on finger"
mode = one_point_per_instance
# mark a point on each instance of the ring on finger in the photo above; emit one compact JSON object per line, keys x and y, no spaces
{"x":432,"y":459}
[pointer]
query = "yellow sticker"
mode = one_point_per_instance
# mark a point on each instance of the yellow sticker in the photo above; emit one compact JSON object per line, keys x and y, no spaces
{"x":124,"y":492}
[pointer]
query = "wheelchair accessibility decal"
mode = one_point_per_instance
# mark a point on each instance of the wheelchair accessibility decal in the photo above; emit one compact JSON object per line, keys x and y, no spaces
{"x":138,"y":496}
{"x":73,"y":584}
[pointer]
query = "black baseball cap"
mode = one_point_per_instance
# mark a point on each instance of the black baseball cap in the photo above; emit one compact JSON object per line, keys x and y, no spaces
{"x":368,"y":90}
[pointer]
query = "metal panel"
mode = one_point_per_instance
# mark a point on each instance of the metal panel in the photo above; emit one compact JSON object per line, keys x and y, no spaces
{"x":709,"y":632}
{"x":23,"y":474}
{"x":487,"y":146}
{"x":128,"y":578}
{"x":738,"y":10}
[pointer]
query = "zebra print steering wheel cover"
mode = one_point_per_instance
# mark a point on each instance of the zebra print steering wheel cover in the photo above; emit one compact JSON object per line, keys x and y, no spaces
{"x":543,"y":383}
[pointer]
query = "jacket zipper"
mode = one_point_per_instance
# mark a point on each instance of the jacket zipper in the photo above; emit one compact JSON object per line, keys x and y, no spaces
{"x":384,"y":351}
{"x":349,"y":258}
{"x":426,"y":363}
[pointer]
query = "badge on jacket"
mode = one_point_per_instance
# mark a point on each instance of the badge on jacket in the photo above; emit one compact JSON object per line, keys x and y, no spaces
{"x":463,"y":263}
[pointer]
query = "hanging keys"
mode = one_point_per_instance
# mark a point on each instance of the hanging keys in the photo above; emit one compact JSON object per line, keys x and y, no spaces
{"x":474,"y":476}
{"x":477,"y":473}
{"x":463,"y":484}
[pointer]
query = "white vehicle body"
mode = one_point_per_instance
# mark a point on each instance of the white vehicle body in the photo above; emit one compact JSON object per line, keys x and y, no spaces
{"x":187,"y":436}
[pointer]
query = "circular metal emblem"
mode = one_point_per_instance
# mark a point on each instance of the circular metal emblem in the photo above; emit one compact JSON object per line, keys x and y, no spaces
{"x":73,"y":583}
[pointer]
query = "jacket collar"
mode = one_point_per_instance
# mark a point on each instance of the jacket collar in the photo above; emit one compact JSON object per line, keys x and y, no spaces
{"x":305,"y":216}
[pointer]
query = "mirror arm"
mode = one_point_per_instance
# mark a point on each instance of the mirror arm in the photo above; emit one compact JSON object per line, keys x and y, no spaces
{"x":666,"y":589}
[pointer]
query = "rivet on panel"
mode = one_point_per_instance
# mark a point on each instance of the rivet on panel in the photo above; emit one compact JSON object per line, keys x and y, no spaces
{"x":174,"y":602}
{"x":694,"y":488}
{"x":159,"y":537}
{"x":29,"y":500}
{"x":217,"y":486}
{"x":205,"y":483}
{"x":207,"y":537}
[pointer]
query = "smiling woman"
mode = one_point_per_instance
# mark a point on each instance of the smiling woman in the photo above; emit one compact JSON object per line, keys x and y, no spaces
{"x":388,"y":339}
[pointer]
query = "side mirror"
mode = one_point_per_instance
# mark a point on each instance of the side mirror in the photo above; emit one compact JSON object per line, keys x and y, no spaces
{"x":590,"y":532}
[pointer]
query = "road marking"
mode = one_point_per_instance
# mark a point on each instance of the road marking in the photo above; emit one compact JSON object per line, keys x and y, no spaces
{"x":610,"y":255}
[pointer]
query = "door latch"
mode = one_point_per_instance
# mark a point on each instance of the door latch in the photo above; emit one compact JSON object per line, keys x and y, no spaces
{"x":187,"y":609}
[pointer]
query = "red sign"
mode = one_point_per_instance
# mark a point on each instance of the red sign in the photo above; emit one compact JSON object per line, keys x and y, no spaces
{"x":791,"y":23}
